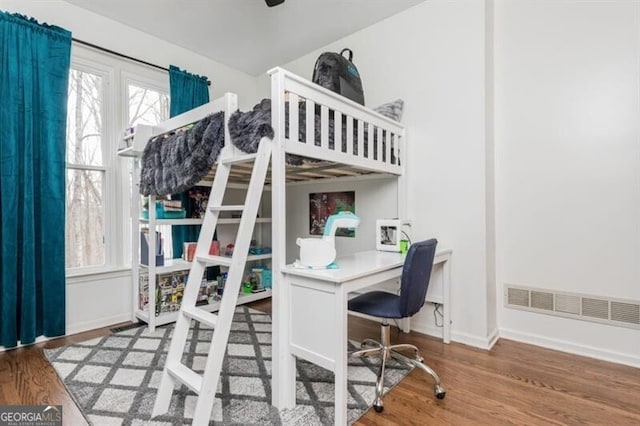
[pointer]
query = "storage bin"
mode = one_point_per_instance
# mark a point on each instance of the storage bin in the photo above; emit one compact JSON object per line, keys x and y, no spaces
{"x":161,"y":213}
{"x":174,"y":214}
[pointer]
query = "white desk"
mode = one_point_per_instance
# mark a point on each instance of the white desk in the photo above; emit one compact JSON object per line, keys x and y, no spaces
{"x":312,"y":323}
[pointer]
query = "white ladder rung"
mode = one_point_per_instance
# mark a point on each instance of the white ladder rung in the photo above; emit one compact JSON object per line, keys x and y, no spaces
{"x":215,"y":260}
{"x":200,"y":315}
{"x":228,"y":208}
{"x":185,"y":375}
{"x":239,"y":159}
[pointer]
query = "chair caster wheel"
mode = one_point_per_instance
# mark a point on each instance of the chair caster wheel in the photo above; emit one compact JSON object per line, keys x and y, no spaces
{"x":440,"y":392}
{"x":378,"y":408}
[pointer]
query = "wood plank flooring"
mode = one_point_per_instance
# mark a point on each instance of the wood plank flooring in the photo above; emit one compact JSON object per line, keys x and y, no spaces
{"x":515,"y":383}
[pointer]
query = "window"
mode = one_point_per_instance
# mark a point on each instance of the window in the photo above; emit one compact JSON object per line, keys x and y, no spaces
{"x":148,"y":105}
{"x":85,"y":242}
{"x":106,"y":95}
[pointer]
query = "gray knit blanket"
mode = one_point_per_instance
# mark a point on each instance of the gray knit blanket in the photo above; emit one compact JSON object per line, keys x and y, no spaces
{"x":175,"y":161}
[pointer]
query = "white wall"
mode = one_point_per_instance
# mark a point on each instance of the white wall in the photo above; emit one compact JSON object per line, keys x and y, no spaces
{"x":433,"y":57}
{"x":374,"y":199}
{"x":102,"y":300}
{"x":94,"y":302}
{"x":567,"y":77}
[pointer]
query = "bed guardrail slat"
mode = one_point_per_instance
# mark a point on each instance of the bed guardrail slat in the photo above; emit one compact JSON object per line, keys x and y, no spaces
{"x":380,"y":153}
{"x":387,"y":146}
{"x":369,"y":141}
{"x":361,"y":152}
{"x":395,"y":141}
{"x":350,"y":149}
{"x":324,"y":127}
{"x":294,"y":113}
{"x":310,"y":119}
{"x":337,"y":128}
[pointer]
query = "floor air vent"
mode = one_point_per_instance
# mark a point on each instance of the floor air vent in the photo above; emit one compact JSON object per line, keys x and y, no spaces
{"x":542,"y":300}
{"x":621,"y":312}
{"x":596,"y":308}
{"x":567,"y":304}
{"x":625,"y":312}
{"x":516,"y":296}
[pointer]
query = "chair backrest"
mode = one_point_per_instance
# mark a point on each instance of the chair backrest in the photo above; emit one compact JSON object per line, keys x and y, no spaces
{"x":415,"y":276}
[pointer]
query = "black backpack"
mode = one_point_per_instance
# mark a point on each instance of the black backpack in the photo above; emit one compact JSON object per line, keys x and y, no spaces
{"x":338,"y":74}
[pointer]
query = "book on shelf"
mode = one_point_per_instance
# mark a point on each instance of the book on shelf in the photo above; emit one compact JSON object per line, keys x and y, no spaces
{"x":172,"y":205}
{"x":158,"y":251}
{"x":189,"y":251}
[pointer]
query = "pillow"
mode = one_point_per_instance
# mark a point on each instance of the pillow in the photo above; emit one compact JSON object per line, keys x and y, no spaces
{"x":392,"y":110}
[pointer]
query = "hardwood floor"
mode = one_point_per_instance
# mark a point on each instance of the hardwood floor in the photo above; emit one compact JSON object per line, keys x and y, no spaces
{"x":515,"y":383}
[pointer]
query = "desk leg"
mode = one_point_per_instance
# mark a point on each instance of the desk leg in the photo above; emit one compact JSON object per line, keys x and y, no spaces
{"x":341,"y":357}
{"x":283,"y":367}
{"x":446,"y":309}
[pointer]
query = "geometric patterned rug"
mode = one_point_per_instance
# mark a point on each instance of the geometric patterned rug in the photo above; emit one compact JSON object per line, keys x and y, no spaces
{"x":114,"y":379}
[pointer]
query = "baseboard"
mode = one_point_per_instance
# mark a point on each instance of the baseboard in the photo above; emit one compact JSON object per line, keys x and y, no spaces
{"x":39,"y":339}
{"x":493,"y":338}
{"x":99,"y":323}
{"x":481,"y":342}
{"x":485,"y":343}
{"x":429,"y":330}
{"x":573,"y":348}
{"x":79,"y":328}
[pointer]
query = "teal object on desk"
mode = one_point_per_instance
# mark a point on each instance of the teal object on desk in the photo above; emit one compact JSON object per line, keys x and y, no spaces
{"x":341,"y":219}
{"x":317,"y":253}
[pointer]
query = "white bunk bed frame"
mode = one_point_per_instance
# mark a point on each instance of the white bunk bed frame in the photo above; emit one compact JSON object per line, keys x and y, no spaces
{"x":336,"y":162}
{"x":385,"y":154}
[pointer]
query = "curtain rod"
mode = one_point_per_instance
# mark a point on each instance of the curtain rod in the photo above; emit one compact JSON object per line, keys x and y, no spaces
{"x":122,"y":55}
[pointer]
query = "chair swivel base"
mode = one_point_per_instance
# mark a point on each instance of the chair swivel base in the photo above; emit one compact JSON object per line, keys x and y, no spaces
{"x":385,"y":350}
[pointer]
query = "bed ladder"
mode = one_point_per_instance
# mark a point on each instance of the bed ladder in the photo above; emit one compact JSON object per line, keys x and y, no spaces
{"x":174,"y":370}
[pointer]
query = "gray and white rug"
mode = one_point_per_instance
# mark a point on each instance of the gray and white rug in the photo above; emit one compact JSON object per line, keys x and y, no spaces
{"x":114,"y":379}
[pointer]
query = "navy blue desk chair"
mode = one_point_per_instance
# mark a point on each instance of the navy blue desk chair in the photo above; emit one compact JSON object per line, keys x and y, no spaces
{"x":413,"y":290}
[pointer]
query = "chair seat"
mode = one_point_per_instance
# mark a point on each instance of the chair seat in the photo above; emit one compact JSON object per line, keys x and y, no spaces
{"x":377,"y":303}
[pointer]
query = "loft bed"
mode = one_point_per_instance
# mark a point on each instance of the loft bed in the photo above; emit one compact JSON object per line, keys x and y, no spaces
{"x":335,"y":136}
{"x":330,"y":137}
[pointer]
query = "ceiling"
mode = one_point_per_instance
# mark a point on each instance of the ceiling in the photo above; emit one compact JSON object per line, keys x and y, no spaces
{"x":246,"y":34}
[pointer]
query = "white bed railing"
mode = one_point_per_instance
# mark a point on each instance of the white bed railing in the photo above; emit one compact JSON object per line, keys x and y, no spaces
{"x":144,"y":132}
{"x":360,"y":136}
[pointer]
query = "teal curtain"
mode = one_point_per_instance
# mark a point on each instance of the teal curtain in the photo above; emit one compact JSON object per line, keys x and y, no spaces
{"x":187,"y":91}
{"x":34,"y":74}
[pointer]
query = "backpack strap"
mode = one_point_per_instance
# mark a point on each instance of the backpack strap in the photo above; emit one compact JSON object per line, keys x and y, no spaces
{"x":350,"y":53}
